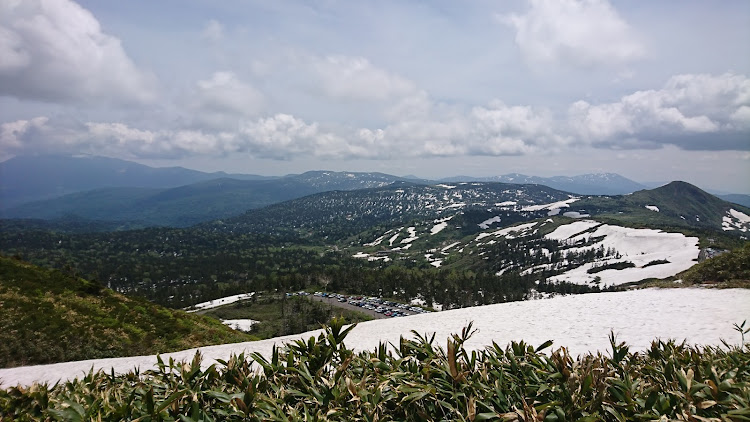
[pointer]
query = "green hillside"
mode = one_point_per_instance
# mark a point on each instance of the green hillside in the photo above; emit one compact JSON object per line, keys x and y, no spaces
{"x":679,"y":204}
{"x":731,"y":269}
{"x":52,"y":316}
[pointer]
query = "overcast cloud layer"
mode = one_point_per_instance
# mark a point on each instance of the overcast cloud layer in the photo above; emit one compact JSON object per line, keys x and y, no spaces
{"x":436,"y":89}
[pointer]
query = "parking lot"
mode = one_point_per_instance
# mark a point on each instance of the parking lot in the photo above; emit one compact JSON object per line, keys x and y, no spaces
{"x":375,"y":307}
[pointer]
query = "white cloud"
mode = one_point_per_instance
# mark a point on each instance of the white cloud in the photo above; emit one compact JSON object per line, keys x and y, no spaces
{"x":581,"y":33}
{"x":690,"y":111}
{"x":213,"y":31}
{"x":55,"y":50}
{"x":355,"y":78}
{"x":221,"y":101}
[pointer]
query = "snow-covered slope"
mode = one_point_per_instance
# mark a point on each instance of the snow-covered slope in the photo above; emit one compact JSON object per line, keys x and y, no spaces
{"x":653,"y":253}
{"x":581,"y":323}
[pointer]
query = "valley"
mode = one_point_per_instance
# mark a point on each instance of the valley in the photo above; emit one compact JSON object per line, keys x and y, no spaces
{"x":442,"y":245}
{"x":388,"y":258}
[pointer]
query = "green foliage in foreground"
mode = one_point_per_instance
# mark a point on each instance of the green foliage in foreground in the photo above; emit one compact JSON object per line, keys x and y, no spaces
{"x":51,"y":316}
{"x":731,"y":267}
{"x":320,"y":379}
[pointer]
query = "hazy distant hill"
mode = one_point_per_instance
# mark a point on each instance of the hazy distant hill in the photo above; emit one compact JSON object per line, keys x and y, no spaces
{"x":24,"y":179}
{"x":194,"y":203}
{"x":585,"y":184}
{"x":737,"y":199}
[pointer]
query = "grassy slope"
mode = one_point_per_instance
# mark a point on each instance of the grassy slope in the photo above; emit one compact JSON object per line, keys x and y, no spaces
{"x":731,"y":268}
{"x":49,"y":316}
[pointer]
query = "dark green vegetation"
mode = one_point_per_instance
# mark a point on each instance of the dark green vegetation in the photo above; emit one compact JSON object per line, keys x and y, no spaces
{"x":52,"y":316}
{"x":321,"y":379}
{"x":279,"y":315}
{"x":337,"y":216}
{"x":181,"y":267}
{"x":732,"y":268}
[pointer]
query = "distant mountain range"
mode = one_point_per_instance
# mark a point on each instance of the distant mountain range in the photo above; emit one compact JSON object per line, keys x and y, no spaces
{"x":585,"y":184}
{"x":31,"y":178}
{"x":112,"y":190}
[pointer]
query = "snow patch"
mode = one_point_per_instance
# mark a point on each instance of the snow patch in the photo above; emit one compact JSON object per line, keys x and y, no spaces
{"x":652,"y":208}
{"x":567,"y":231}
{"x":555,"y":205}
{"x":437,"y":228}
{"x":575,"y":214}
{"x":220,"y":302}
{"x":742,"y":217}
{"x":639,"y":246}
{"x":581,"y":323}
{"x":487,"y":223}
{"x":240,"y":324}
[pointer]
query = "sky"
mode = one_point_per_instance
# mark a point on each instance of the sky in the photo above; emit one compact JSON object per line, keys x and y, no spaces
{"x":653,"y":90}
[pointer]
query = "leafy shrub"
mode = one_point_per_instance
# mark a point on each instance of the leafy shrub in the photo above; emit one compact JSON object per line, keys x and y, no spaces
{"x":415,"y":380}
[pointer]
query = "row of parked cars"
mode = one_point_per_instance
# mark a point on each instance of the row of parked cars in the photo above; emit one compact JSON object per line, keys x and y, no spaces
{"x":385,"y":307}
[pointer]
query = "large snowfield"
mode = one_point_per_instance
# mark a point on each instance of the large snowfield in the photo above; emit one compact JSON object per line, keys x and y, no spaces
{"x":641,"y":247}
{"x":581,"y":323}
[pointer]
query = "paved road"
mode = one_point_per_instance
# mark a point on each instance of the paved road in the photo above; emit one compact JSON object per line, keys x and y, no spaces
{"x":345,"y":305}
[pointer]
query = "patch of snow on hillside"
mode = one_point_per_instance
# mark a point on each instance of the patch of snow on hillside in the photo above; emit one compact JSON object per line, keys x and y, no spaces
{"x":240,"y":324}
{"x":393,"y":239}
{"x":437,"y":263}
{"x":456,"y":205}
{"x":639,"y":246}
{"x":742,"y":217}
{"x":567,"y":231}
{"x":221,"y":301}
{"x":445,"y":186}
{"x":735,"y":220}
{"x":360,"y":255}
{"x":450,"y":246}
{"x":437,"y":228}
{"x":402,"y":248}
{"x":487,"y":223}
{"x":412,"y":231}
{"x":652,"y":208}
{"x":581,"y":323}
{"x":506,"y":231}
{"x":575,"y":214}
{"x":559,"y":204}
{"x":377,"y":241}
{"x":506,"y":204}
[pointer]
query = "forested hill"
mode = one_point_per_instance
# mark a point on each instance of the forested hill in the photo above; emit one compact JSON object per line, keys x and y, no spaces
{"x":677,"y":204}
{"x":53,"y":316}
{"x":339,"y":214}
